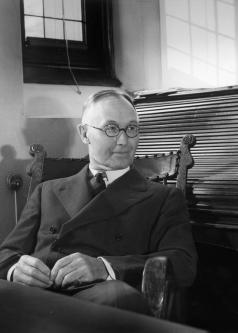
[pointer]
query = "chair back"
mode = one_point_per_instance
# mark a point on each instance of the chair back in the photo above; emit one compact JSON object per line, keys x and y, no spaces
{"x":166,"y":168}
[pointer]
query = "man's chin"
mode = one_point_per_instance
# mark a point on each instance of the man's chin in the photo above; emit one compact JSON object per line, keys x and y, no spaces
{"x":115,"y":163}
{"x":121,"y":164}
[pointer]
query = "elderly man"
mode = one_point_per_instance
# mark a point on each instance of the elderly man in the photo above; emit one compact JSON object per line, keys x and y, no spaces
{"x":107,"y":219}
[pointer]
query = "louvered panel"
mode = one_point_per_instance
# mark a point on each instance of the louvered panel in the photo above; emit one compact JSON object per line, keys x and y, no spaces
{"x":212,"y":116}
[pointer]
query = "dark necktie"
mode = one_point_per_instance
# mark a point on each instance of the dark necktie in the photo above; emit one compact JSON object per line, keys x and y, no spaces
{"x":97,"y":183}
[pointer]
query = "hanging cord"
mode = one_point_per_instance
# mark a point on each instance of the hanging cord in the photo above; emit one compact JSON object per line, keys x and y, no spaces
{"x":67,"y":52}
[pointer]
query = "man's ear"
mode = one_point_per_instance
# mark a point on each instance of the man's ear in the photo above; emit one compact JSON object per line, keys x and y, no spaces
{"x":82,"y":129}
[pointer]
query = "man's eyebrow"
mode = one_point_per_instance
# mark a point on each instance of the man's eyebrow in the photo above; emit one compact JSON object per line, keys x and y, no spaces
{"x":111,"y":122}
{"x":134,"y":122}
{"x":115,"y":122}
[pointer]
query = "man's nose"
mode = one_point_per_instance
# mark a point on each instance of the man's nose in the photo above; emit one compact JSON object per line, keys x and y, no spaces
{"x":122,"y":137}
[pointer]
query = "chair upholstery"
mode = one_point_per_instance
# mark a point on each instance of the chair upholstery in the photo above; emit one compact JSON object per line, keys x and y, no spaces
{"x":157,"y":283}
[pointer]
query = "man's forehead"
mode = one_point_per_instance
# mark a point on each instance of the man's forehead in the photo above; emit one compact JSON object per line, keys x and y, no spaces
{"x":112,"y":108}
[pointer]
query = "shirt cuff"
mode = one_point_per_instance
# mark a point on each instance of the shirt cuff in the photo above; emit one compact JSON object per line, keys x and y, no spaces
{"x":10,"y":272}
{"x":111,"y":273}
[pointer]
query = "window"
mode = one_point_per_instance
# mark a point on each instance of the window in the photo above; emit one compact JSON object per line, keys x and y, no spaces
{"x":199,"y":42}
{"x":57,"y":19}
{"x":67,"y":42}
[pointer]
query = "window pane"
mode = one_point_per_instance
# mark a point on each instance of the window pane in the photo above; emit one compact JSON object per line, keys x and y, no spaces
{"x":34,"y":26}
{"x":73,"y":30}
{"x":178,"y":34}
{"x":53,"y":8}
{"x":226,"y":19}
{"x":198,"y":12}
{"x":211,"y":21}
{"x":199,"y":43}
{"x":178,"y":61}
{"x":212,"y":48}
{"x":72,"y":9}
{"x":54,"y":29}
{"x":177,"y":8}
{"x":204,"y":72}
{"x":227,"y":50}
{"x":33,"y":7}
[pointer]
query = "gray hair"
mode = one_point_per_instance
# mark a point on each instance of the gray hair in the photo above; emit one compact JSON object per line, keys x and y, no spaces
{"x":104,"y":94}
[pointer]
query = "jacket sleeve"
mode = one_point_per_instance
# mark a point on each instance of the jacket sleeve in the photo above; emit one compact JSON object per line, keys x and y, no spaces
{"x":171,"y":236}
{"x":22,"y":238}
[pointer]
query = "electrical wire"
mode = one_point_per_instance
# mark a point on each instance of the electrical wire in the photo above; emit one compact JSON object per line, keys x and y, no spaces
{"x":15,"y":206}
{"x":67,"y":52}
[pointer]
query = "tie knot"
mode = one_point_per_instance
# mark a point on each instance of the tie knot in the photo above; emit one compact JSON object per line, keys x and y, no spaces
{"x":97,"y":183}
{"x":99,"y":177}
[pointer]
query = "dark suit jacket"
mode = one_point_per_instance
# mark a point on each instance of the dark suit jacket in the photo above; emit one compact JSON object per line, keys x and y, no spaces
{"x":132,"y":220}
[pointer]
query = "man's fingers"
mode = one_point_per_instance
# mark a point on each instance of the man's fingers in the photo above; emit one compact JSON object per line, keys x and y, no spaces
{"x":64,"y":271}
{"x":37,"y":263}
{"x":72,"y":278}
{"x":24,"y":278}
{"x":60,"y":264}
{"x":35,"y":273}
{"x":32,"y":271}
{"x":77,"y":267}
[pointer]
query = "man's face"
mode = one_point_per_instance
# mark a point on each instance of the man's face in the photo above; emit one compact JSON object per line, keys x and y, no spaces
{"x":111,"y":153}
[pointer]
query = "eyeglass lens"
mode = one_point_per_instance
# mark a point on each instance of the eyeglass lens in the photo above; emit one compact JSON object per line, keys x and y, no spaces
{"x":113,"y":130}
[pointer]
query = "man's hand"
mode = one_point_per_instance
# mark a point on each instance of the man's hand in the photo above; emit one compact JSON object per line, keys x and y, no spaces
{"x":77,"y":268}
{"x":32,"y":272}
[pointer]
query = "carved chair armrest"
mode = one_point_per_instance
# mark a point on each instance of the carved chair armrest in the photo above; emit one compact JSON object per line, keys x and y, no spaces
{"x":158,"y":286}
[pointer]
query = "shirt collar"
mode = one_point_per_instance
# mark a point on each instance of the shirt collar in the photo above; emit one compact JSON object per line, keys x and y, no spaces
{"x":110,"y":175}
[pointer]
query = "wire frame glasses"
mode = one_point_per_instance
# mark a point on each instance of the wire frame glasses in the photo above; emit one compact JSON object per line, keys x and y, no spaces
{"x":113,"y":130}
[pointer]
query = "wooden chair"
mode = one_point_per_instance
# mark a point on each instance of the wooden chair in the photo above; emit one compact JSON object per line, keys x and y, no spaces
{"x":157,"y":283}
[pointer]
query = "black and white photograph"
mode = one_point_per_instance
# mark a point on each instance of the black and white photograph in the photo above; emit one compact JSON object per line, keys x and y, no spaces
{"x":119,"y":166}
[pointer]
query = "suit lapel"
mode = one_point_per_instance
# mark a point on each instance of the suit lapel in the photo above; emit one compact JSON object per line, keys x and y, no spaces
{"x":74,"y":192}
{"x":126,"y":191}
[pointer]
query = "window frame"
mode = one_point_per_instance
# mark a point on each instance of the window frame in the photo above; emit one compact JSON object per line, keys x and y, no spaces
{"x":92,"y":61}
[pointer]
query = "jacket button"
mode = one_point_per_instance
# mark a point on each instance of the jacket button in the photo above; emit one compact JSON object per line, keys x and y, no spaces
{"x":118,"y":237}
{"x":53,"y":229}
